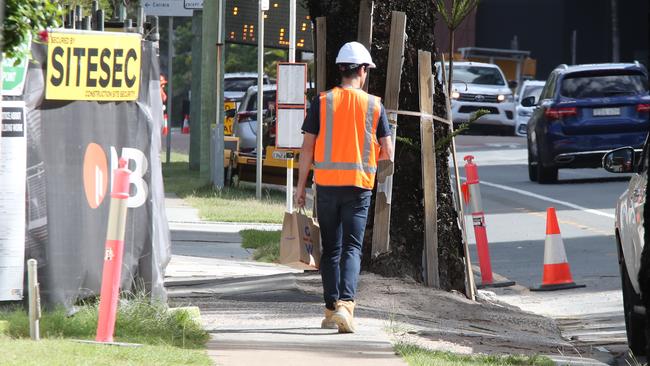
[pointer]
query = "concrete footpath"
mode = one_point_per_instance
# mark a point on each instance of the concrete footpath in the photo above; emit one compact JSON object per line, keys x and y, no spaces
{"x":261,"y":313}
{"x":255,"y":312}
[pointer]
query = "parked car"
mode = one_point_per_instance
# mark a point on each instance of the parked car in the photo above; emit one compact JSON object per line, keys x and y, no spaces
{"x":236,"y":84}
{"x":630,"y":233}
{"x":522,"y":114}
{"x":246,"y":117}
{"x":478,"y":86}
{"x":583,"y":112}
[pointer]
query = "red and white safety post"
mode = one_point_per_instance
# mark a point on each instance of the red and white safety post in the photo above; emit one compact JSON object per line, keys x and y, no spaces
{"x":113,"y":254}
{"x":472,"y":195}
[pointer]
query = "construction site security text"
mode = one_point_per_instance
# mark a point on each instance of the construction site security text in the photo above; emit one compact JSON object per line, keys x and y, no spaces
{"x":93,"y":66}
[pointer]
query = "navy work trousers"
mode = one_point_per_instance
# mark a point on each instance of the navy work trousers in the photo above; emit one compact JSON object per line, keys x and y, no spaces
{"x":342,"y":215}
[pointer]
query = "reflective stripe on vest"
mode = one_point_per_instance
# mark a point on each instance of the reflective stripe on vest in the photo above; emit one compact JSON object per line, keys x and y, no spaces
{"x":367,"y":163}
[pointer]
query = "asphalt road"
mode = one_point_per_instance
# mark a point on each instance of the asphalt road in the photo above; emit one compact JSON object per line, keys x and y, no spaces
{"x":516,"y":217}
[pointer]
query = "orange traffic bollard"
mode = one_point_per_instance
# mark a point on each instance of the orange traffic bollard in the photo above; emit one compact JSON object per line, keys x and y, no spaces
{"x":480,"y":231}
{"x":113,"y":254}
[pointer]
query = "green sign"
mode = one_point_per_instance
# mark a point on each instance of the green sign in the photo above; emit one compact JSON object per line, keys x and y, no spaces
{"x":13,"y":76}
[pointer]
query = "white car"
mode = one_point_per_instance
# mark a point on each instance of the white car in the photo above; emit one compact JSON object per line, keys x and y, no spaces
{"x":246,"y":118}
{"x":530,"y":88}
{"x":478,"y":86}
{"x":235,"y":84}
{"x":630,"y":239}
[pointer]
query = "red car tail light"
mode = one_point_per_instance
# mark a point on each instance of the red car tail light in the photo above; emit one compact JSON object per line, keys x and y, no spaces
{"x":559,"y":113}
{"x":643,"y":108}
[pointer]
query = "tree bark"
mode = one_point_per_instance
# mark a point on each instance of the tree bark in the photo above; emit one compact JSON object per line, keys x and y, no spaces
{"x":407,"y":218}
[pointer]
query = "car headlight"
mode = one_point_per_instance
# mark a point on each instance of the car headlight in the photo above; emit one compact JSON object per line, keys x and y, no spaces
{"x":505,"y":98}
{"x":455,"y":95}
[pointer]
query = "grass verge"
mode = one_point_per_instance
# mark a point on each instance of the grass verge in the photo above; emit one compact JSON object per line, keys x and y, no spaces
{"x":138,"y":321}
{"x":418,"y":356}
{"x":66,"y":352}
{"x":229,"y":204}
{"x":265,"y":243}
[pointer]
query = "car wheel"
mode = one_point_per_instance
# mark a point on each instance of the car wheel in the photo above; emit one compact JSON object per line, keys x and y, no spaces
{"x":545,"y":175}
{"x":532,"y":169}
{"x":634,"y":323}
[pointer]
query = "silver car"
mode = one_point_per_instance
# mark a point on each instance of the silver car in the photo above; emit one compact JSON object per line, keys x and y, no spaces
{"x":246,"y":118}
{"x":235,"y":84}
{"x":630,"y":232}
{"x":530,"y":88}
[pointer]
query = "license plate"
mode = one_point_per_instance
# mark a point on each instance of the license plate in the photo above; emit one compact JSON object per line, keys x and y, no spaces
{"x":598,"y":112}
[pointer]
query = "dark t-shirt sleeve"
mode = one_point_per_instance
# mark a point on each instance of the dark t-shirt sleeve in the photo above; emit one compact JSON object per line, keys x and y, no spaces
{"x":312,"y":121}
{"x":383,"y":129}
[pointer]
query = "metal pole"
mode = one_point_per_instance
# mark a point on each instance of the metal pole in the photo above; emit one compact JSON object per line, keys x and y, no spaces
{"x":292,"y":58}
{"x":218,"y":161}
{"x":34,"y":299}
{"x":260,"y":99}
{"x":574,"y":45}
{"x":292,"y":31}
{"x":170,"y":53}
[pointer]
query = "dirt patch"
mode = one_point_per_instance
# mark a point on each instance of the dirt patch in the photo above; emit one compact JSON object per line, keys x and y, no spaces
{"x":448,"y":320}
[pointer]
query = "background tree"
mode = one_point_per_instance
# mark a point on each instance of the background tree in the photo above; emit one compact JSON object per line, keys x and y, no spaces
{"x":407,"y":219}
{"x":453,"y":15}
{"x":24,"y":19}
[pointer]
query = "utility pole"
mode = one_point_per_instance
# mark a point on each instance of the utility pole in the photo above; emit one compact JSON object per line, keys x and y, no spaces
{"x":263,"y":5}
{"x":208,"y":85}
{"x":170,"y":54}
{"x":574,"y":46}
{"x":217,"y":161}
{"x":195,"y":93}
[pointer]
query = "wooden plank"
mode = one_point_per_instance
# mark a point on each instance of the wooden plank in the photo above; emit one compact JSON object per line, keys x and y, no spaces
{"x":321,"y":60}
{"x":364,"y":30}
{"x":429,"y":183}
{"x":381,"y":226}
{"x":470,"y":287}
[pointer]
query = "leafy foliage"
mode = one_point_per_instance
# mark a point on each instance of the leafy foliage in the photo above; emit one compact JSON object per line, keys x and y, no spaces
{"x":25,"y":18}
{"x":455,"y":15}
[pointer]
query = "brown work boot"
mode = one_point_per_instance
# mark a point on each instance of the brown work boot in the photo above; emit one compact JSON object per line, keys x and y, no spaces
{"x":344,"y":316}
{"x":328,"y":322}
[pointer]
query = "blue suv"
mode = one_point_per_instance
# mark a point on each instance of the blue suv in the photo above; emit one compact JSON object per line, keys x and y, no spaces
{"x":583,"y":112}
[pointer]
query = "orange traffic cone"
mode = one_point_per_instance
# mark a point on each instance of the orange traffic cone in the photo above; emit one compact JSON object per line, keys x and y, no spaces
{"x":557,"y":273}
{"x":186,"y":125}
{"x":165,"y":129}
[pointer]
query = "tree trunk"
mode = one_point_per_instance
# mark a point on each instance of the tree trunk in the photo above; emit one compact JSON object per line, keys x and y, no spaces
{"x":407,"y":218}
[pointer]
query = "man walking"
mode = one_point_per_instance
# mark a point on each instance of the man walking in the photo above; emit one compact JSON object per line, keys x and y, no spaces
{"x":347,"y":138}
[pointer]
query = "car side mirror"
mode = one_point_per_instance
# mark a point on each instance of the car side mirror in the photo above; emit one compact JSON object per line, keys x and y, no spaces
{"x":512,"y":84}
{"x":528,"y":101}
{"x":620,"y":160}
{"x":230,"y":113}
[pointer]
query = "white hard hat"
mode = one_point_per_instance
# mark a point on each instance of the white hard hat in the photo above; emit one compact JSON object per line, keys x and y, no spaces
{"x":354,"y":53}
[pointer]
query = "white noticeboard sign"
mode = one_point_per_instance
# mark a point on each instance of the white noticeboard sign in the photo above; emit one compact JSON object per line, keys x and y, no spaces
{"x":13,"y":163}
{"x":289,"y":133}
{"x":291,"y":103}
{"x":168,"y":8}
{"x":292,"y":79}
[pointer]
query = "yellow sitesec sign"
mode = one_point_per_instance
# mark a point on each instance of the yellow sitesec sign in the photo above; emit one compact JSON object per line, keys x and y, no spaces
{"x":93,"y":66}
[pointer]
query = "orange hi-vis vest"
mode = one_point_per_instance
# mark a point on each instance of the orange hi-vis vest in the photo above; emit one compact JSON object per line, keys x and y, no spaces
{"x":346,"y":148}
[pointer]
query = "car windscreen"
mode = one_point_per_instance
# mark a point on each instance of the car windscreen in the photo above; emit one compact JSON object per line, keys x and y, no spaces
{"x":269,"y":97}
{"x":532,"y":91}
{"x":238,"y":84}
{"x":478,"y":75}
{"x":603,"y":85}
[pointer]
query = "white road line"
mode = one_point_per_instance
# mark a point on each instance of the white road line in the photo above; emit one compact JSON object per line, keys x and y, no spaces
{"x":548,"y":199}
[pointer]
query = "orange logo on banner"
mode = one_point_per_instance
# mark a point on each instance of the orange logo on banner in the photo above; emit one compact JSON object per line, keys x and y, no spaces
{"x":95,"y":175}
